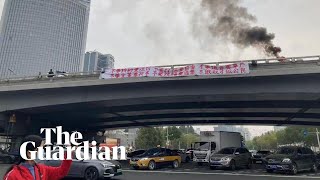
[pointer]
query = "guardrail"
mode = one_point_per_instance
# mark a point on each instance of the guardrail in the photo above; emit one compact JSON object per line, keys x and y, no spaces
{"x":95,"y":73}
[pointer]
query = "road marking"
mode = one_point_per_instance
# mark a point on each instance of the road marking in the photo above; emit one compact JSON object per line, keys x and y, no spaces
{"x":226,"y":174}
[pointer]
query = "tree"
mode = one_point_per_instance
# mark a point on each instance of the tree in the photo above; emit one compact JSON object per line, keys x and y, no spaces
{"x":187,"y":139}
{"x":187,"y":129}
{"x":174,"y":133}
{"x":290,"y":135}
{"x":149,"y":138}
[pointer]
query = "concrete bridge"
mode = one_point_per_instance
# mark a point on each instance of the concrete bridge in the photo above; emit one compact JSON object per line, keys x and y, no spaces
{"x":273,"y":93}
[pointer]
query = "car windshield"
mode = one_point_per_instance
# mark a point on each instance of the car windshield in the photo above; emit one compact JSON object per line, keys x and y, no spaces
{"x":202,"y":146}
{"x":227,"y":151}
{"x":285,"y":150}
{"x":153,"y":152}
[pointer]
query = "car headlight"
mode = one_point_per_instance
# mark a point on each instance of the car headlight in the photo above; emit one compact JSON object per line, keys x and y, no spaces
{"x":286,"y":160}
{"x":105,"y":165}
{"x":225,"y":159}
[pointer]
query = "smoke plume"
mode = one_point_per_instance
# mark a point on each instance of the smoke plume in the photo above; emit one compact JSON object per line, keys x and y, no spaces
{"x":227,"y":20}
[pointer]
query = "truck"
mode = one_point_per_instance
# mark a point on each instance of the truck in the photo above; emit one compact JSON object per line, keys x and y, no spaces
{"x":212,"y":142}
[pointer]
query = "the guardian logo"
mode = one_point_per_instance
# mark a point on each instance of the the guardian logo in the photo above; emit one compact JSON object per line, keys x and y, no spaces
{"x":82,"y":151}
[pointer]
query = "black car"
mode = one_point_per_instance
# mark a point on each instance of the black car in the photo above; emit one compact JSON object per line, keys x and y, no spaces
{"x":258,"y":158}
{"x":318,"y":159}
{"x":292,"y":159}
{"x":6,"y":158}
{"x":135,"y":153}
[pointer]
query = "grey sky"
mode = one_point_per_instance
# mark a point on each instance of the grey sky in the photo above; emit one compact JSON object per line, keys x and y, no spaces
{"x":152,"y":32}
{"x":157,"y":32}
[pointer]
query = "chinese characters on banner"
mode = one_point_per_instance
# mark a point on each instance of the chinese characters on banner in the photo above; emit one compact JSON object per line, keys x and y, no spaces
{"x":237,"y":68}
{"x":189,"y":70}
{"x":126,"y":73}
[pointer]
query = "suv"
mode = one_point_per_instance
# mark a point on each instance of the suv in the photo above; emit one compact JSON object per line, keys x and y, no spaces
{"x":156,"y":157}
{"x":291,"y":159}
{"x":231,"y":157}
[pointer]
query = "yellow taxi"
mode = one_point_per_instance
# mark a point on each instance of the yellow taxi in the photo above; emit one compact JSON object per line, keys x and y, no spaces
{"x":154,"y":158}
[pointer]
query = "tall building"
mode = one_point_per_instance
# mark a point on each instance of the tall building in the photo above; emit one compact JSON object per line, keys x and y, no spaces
{"x":39,"y":35}
{"x":95,"y":61}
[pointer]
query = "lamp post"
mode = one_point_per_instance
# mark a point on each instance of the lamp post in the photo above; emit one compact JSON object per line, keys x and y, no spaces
{"x":318,"y":138}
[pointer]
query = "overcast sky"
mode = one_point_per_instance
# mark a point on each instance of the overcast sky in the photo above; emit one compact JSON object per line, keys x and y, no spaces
{"x":158,"y":32}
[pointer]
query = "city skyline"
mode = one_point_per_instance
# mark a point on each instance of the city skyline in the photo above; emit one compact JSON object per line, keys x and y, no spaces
{"x":115,"y":28}
{"x":42,"y":35}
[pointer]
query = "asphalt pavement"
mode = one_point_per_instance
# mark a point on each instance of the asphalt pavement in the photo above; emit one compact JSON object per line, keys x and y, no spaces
{"x":191,"y":171}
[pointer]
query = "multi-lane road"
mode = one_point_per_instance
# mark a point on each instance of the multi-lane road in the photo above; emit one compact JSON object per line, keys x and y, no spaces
{"x":191,"y":171}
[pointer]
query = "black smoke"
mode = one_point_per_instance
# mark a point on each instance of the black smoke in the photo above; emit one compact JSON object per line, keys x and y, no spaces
{"x":227,"y":19}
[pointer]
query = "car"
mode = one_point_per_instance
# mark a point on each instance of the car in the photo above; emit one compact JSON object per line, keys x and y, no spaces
{"x":154,"y":158}
{"x":291,"y":159}
{"x":61,"y":74}
{"x":253,"y":152}
{"x":7,"y":158}
{"x":135,"y":153}
{"x":232,"y":158}
{"x":88,"y":169}
{"x":318,"y":159}
{"x":185,"y":157}
{"x":259,"y":157}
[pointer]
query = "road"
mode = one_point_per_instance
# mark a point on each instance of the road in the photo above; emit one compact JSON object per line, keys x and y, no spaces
{"x":191,"y":171}
{"x":169,"y":175}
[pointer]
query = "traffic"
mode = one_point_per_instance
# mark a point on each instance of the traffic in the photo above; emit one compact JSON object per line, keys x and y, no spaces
{"x":216,"y":151}
{"x":219,"y":150}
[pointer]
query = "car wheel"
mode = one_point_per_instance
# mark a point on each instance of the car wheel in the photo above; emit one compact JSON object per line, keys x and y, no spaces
{"x":314,"y":168}
{"x":175,"y":164}
{"x":187,"y":159}
{"x":152,"y":165}
{"x":294,"y":170}
{"x":249,"y":165}
{"x":91,"y":174}
{"x":232,"y":165}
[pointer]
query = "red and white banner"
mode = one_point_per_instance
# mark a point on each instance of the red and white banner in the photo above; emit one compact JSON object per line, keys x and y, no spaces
{"x":189,"y":70}
{"x":127,"y":73}
{"x":237,"y":68}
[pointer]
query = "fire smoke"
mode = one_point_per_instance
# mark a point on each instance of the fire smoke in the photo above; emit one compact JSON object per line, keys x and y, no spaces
{"x":228,"y":20}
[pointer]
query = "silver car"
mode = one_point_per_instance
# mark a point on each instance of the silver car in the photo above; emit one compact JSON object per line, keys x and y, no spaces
{"x":89,"y":169}
{"x":231,"y":157}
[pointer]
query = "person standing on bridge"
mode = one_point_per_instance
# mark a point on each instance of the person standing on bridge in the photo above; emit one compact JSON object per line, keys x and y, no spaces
{"x":30,"y":170}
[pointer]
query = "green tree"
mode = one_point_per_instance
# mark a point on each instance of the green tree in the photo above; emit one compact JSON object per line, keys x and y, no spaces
{"x":187,"y":129}
{"x":149,"y":138}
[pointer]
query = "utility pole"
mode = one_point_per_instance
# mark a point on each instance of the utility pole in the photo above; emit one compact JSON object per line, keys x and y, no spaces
{"x":167,"y":137}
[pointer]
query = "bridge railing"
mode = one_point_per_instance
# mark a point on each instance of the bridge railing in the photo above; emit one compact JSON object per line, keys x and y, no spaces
{"x":72,"y":75}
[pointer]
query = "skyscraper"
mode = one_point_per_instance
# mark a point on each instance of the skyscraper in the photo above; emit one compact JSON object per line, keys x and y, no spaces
{"x":95,"y":61}
{"x":38,"y":35}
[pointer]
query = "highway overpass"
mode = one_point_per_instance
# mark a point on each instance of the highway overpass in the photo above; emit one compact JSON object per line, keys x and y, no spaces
{"x":273,"y":93}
